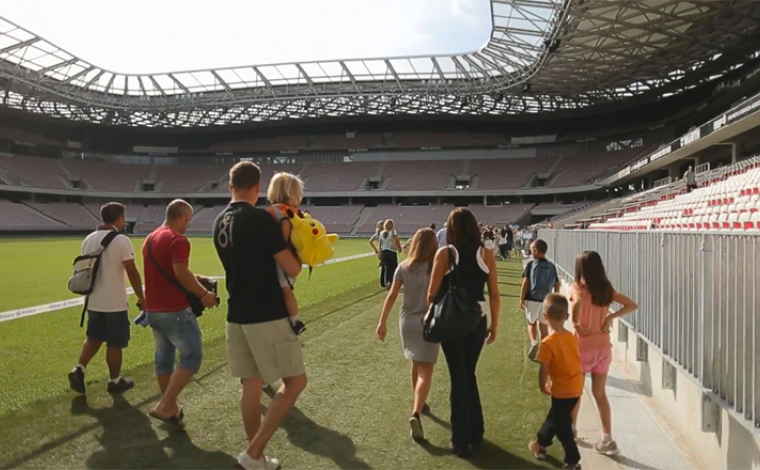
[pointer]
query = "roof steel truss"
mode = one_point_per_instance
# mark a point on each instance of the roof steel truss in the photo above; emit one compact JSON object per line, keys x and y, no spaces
{"x":543,"y":55}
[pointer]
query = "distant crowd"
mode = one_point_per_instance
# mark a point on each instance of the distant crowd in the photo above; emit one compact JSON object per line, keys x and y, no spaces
{"x":263,"y":323}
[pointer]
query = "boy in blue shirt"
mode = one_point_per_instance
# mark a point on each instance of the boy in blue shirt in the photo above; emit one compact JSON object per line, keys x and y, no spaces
{"x":539,"y":280}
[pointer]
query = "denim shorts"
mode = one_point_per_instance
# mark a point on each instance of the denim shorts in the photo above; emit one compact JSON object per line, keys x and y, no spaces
{"x":176,"y":331}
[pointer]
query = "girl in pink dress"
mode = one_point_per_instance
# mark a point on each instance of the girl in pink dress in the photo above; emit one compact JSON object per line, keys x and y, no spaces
{"x":591,"y":296}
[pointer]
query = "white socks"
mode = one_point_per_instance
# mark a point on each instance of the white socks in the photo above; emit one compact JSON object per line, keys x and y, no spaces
{"x":116,"y":380}
{"x":294,"y":319}
{"x":606,"y":438}
{"x":81,"y":367}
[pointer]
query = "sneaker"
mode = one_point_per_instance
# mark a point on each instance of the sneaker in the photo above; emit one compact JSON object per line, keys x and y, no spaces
{"x":607,"y":448}
{"x":567,"y":466}
{"x":298,"y":327}
{"x":264,"y":463}
{"x":416,"y":425}
{"x":121,"y":385}
{"x":76,"y":380}
{"x":426,"y":409}
{"x":538,"y":452}
{"x":533,"y":352}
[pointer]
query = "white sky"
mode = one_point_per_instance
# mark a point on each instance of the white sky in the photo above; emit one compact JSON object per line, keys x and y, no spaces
{"x":150,"y":36}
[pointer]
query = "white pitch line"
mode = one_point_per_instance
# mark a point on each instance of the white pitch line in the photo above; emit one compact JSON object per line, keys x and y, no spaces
{"x":64,"y":304}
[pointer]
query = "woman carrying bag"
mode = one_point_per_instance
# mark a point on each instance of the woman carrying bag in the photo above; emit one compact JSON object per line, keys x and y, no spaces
{"x":472,"y":268}
{"x":389,"y":246}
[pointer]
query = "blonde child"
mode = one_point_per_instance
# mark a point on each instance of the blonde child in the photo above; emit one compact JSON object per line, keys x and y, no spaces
{"x":590,"y":298}
{"x":285,"y":194}
{"x":559,"y":376}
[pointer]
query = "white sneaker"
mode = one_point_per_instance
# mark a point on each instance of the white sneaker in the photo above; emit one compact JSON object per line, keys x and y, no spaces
{"x":264,"y":463}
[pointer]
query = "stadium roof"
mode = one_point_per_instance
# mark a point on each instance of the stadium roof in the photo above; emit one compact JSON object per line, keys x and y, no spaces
{"x":542,"y":56}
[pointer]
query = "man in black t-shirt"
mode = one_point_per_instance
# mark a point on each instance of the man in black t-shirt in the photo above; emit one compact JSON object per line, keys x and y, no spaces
{"x":261,"y":345}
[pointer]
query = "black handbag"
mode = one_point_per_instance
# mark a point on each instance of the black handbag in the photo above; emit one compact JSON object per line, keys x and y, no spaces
{"x":454,"y":313}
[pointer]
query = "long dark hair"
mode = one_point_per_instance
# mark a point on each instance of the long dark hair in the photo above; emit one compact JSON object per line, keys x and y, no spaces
{"x":462,"y":230}
{"x":589,"y":270}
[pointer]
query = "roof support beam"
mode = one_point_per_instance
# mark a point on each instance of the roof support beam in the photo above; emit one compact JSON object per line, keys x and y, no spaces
{"x":395,"y":75}
{"x":94,"y":79}
{"x":179,"y":84}
{"x":221,"y":82}
{"x":57,"y":66}
{"x":81,"y":73}
{"x":156,"y":85}
{"x":350,"y":76}
{"x":19,"y":45}
{"x":307,"y":78}
{"x":264,"y":79}
{"x":110,"y":82}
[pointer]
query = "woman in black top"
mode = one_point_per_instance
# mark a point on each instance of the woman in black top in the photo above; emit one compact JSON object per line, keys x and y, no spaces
{"x":476,"y":267}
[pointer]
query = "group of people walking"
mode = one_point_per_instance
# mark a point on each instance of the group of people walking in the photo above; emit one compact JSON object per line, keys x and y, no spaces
{"x":263,"y":325}
{"x":565,"y":356}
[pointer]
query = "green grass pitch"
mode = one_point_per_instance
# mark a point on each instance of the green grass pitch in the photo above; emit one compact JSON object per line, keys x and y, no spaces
{"x":352,"y":415}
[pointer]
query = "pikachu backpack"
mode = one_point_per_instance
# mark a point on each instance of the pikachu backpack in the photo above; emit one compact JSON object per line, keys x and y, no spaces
{"x":310,"y":239}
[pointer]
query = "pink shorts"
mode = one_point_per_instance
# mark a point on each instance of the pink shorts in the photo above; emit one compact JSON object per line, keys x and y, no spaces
{"x":596,"y":361}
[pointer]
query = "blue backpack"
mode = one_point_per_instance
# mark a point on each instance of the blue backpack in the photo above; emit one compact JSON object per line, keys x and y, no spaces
{"x":543,"y":277}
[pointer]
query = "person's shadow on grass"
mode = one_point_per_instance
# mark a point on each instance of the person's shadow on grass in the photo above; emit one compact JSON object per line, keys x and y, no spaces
{"x":128,"y":440}
{"x":487,"y":456}
{"x":315,"y":439}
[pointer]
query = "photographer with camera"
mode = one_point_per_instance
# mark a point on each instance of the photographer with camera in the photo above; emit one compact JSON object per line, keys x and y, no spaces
{"x":174,"y":297}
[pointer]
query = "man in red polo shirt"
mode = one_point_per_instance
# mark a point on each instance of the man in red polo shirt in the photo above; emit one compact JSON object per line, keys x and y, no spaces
{"x":166,"y":258}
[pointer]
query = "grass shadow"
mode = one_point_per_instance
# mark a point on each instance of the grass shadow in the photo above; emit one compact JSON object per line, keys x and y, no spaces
{"x":126,"y":428}
{"x":315,"y":439}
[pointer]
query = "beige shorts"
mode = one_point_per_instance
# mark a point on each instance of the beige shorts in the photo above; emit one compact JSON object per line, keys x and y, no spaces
{"x":268,"y":350}
{"x":534,"y":311}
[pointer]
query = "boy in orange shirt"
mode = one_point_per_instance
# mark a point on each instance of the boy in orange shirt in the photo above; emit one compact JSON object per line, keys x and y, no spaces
{"x":561,"y":377}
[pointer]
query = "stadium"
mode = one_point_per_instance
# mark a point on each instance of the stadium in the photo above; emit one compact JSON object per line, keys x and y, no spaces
{"x":575,"y":122}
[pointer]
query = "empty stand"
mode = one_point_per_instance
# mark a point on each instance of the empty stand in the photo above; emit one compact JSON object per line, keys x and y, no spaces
{"x":727,"y":200}
{"x":337,"y":176}
{"x":510,"y":173}
{"x":15,"y":216}
{"x":37,"y":172}
{"x":407,"y":218}
{"x":501,"y":215}
{"x":579,"y":169}
{"x":72,"y":215}
{"x":109,"y":176}
{"x":422,"y":175}
{"x":152,"y":217}
{"x":187,"y":178}
{"x":203,"y":220}
{"x":336,"y":219}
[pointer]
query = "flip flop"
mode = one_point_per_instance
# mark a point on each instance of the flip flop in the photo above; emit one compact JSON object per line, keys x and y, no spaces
{"x":175,"y":421}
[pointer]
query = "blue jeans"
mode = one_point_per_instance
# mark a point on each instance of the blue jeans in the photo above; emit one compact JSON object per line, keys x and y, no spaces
{"x":173,"y":331}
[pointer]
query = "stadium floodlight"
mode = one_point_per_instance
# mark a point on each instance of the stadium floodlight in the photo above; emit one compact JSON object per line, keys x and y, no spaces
{"x":542,"y":55}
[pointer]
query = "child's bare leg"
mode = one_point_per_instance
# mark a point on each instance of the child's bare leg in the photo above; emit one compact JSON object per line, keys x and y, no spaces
{"x":598,"y":384}
{"x":532,"y":333}
{"x":291,"y":303}
{"x":544,"y":329}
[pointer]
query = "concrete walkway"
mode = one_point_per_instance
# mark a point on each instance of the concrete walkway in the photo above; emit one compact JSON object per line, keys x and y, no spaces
{"x":645,"y":440}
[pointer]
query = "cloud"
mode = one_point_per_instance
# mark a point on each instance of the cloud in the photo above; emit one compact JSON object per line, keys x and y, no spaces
{"x":148,"y":36}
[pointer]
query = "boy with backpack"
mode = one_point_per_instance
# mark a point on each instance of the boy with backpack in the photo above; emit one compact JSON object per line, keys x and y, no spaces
{"x":539,"y":280}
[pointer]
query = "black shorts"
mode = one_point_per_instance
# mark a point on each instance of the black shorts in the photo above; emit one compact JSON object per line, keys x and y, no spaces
{"x":111,"y":328}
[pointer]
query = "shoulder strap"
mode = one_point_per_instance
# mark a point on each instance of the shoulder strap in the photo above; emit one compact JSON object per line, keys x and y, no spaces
{"x":108,"y":239}
{"x":454,"y":271}
{"x":173,"y":281}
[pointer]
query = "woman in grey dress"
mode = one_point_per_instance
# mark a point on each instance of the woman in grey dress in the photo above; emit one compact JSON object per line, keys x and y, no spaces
{"x":414,"y":275}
